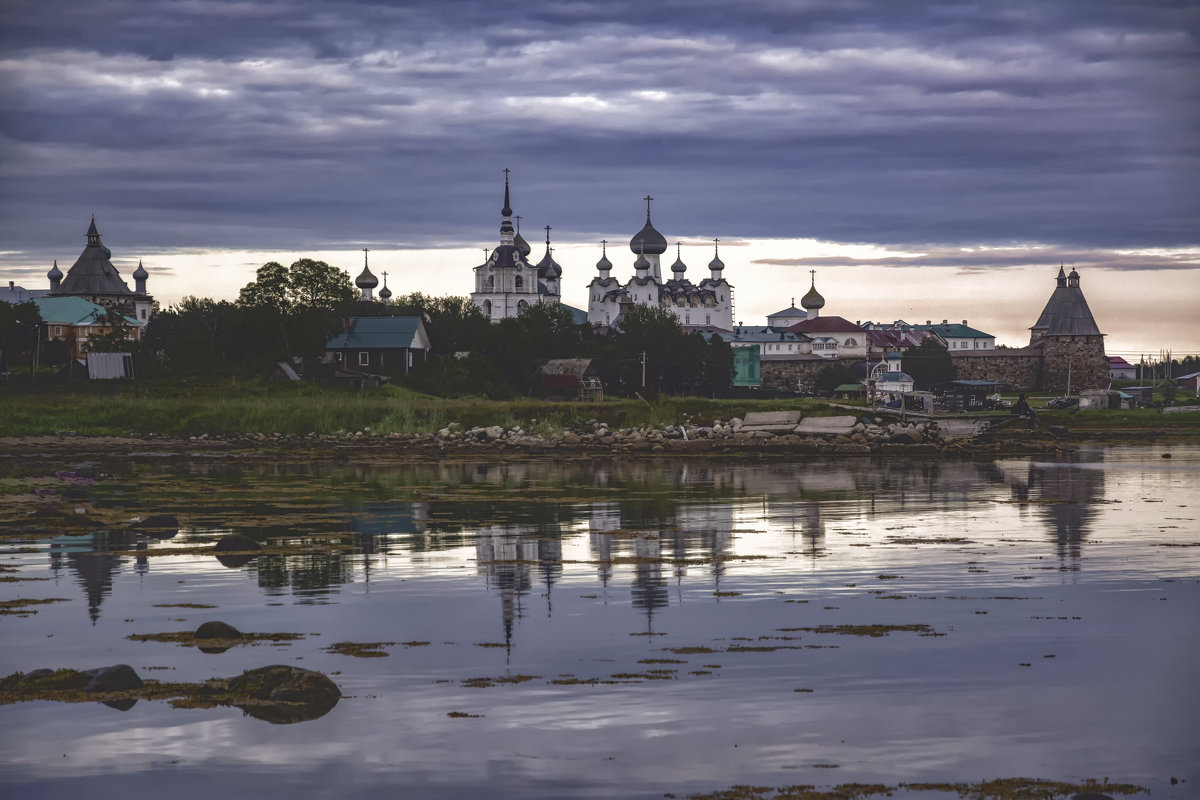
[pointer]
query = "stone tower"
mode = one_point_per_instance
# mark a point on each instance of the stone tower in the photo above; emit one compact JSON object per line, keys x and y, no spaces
{"x":1072,"y":345}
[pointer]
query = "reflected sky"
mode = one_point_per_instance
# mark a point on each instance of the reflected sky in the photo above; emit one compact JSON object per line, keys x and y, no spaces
{"x":683,"y":626}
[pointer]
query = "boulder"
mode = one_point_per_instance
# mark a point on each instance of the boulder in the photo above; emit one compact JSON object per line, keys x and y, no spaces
{"x":117,"y":678}
{"x":771,"y":421}
{"x":282,"y":694}
{"x":826,"y":426}
{"x":236,"y":542}
{"x":215,"y":629}
{"x":158,"y":522}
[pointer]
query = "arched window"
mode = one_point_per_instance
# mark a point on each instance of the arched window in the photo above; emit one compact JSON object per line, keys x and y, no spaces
{"x":520,"y":283}
{"x":487,"y":308}
{"x":851,"y":342}
{"x":522,"y":304}
{"x":491,"y":283}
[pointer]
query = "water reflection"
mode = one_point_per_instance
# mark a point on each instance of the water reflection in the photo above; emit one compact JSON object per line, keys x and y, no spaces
{"x":667,"y":520}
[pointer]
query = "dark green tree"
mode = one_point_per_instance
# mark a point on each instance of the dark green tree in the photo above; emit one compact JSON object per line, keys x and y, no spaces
{"x":20,"y":326}
{"x":117,"y":337}
{"x":832,"y":376}
{"x":929,"y":364}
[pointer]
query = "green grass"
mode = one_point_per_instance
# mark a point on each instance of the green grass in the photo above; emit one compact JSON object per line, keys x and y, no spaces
{"x":190,"y":407}
{"x":194,"y":406}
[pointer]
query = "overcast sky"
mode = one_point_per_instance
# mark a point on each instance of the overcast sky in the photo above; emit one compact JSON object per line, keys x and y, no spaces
{"x":896,"y":147}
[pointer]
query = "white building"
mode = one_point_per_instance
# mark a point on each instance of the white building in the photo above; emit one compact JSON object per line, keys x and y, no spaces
{"x":707,"y":304}
{"x":506,"y":284}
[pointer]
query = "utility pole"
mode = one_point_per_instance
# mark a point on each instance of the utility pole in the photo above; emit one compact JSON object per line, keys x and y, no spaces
{"x":644,"y":366}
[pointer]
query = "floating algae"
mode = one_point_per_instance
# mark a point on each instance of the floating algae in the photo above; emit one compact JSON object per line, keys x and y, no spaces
{"x":359,"y":649}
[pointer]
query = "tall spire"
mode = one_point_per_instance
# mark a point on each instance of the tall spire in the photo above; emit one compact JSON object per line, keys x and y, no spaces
{"x":507,"y":234}
{"x":93,"y":234}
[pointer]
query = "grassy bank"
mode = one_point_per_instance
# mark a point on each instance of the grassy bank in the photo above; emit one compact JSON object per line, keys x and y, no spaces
{"x":191,"y":408}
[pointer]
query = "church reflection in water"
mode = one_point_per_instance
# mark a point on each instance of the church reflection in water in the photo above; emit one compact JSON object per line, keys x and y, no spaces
{"x":655,"y":523}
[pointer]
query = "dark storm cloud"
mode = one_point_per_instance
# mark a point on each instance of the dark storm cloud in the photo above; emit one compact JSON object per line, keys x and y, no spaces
{"x":314,"y":123}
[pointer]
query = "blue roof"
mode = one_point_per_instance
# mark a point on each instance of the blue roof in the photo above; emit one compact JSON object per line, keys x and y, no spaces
{"x":954,"y":331}
{"x":761,"y":334}
{"x":976,"y":383}
{"x":578,"y":315}
{"x":376,"y":333}
{"x":895,"y":377}
{"x":73,"y":311}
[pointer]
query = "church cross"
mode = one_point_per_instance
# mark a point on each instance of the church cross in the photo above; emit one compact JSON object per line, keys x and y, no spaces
{"x":647,"y":198}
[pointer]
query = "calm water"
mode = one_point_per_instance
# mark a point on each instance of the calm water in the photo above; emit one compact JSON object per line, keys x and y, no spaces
{"x":1060,"y":600}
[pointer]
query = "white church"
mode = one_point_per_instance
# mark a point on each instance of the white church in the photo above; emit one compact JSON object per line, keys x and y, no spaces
{"x":707,"y":304}
{"x":506,"y":283}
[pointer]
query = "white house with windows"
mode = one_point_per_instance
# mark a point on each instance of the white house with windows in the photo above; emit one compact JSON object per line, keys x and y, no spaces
{"x":833,"y":337}
{"x":959,"y":337}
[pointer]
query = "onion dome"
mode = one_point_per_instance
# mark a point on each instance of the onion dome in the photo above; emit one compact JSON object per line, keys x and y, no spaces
{"x":604,"y":265}
{"x":140,"y":273}
{"x":55,"y":274}
{"x":648,"y":241}
{"x":813,"y":300}
{"x":366,"y":280}
{"x":548,"y":267}
{"x":678,"y":267}
{"x":716,"y":265}
{"x":385,"y":293}
{"x":641,"y":265}
{"x":519,"y":241}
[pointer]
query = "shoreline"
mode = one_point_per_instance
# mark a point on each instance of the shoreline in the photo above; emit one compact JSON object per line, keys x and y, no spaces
{"x":468,"y":445}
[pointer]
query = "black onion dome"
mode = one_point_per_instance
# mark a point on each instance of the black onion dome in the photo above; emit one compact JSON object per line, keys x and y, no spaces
{"x":522,"y":245}
{"x":678,"y":266}
{"x":548,"y":267}
{"x":140,"y":273}
{"x":55,"y":274}
{"x":813,"y":300}
{"x":604,"y":264}
{"x":641,"y":263}
{"x":648,"y":241}
{"x":716,"y":263}
{"x":366,"y":280}
{"x":385,"y":293}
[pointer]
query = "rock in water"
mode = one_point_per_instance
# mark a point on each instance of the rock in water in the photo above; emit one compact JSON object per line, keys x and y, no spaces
{"x":291,"y":694}
{"x":236,"y":542}
{"x":217,"y":630}
{"x":167,"y":521}
{"x":117,"y":678}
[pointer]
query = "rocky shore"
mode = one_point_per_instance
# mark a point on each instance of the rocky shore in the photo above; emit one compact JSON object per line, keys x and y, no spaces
{"x":775,"y":432}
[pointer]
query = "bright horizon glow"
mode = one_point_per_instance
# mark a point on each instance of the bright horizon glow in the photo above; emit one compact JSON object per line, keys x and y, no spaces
{"x":1140,"y":312}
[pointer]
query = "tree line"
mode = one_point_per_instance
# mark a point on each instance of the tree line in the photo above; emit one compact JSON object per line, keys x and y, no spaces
{"x":289,"y":312}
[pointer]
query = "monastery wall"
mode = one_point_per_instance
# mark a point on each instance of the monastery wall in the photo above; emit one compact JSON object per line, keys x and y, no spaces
{"x":1080,"y":357}
{"x":1019,"y":369}
{"x":787,"y":375}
